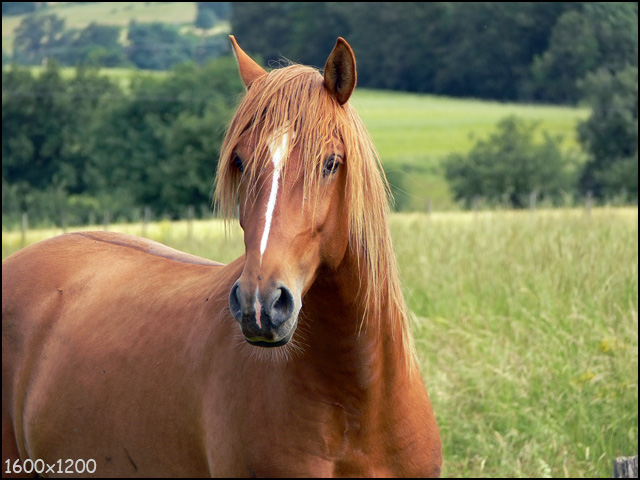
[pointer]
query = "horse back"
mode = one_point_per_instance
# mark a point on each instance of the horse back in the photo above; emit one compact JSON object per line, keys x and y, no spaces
{"x":101,"y":313}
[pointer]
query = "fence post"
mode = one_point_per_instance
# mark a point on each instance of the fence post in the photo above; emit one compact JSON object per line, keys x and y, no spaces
{"x":105,"y":223}
{"x":63,"y":221}
{"x":589,"y":202}
{"x":145,"y":220}
{"x":625,"y":467}
{"x":190,"y":222}
{"x":532,"y":200}
{"x":25,"y":227}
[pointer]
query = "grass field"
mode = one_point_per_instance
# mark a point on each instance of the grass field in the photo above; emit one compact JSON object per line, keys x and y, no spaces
{"x":526,"y":326}
{"x":414,"y":133}
{"x":78,"y":15}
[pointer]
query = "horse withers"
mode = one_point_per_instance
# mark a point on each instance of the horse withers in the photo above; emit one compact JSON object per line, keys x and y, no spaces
{"x":294,"y":360}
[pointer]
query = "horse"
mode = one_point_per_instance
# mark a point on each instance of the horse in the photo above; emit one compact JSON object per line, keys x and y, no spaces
{"x":122,"y":357}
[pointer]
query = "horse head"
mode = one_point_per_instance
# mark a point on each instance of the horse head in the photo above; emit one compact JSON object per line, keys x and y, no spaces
{"x":287,"y":161}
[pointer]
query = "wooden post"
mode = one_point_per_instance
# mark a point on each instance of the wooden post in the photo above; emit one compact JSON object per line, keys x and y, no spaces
{"x":145,"y":220}
{"x":532,"y":200}
{"x":589,"y":202}
{"x":25,"y":227}
{"x":190,"y":222}
{"x":625,"y":467}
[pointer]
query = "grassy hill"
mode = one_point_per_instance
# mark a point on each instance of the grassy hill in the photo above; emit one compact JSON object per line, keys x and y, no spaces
{"x":79,"y":15}
{"x":414,"y":132}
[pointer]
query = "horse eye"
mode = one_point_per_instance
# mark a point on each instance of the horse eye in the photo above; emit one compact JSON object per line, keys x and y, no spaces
{"x":237,"y":161}
{"x":331,"y":165}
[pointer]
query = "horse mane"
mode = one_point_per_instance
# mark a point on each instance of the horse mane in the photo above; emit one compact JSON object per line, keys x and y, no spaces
{"x":293,"y":98}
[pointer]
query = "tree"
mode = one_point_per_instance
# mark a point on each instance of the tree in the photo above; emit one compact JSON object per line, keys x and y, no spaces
{"x":219,"y":9}
{"x":46,"y":121}
{"x":17,"y":8}
{"x":610,"y":134}
{"x":38,"y":37}
{"x":97,"y":45}
{"x":157,"y":46}
{"x":205,"y":19}
{"x":594,"y":36}
{"x":159,"y":146}
{"x":263,"y":27}
{"x":509,"y":166}
{"x":487,"y":47}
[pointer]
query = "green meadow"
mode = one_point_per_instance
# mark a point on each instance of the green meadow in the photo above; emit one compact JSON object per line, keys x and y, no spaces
{"x":415,"y":132}
{"x":78,"y":15}
{"x":525,"y":324}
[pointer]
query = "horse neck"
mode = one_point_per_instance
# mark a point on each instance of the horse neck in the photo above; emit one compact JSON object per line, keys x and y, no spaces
{"x":349,"y":345}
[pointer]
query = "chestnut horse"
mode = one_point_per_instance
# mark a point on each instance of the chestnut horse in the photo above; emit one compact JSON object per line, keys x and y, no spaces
{"x":127,"y":355}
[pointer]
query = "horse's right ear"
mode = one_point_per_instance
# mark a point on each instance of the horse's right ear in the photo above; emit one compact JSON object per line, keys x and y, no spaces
{"x":249,"y":70}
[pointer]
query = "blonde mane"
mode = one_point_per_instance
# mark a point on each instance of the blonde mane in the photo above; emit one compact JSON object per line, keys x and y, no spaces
{"x":294,"y":98}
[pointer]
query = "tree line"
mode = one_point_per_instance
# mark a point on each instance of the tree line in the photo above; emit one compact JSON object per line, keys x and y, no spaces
{"x":525,"y":51}
{"x":42,"y":36}
{"x":85,"y":145}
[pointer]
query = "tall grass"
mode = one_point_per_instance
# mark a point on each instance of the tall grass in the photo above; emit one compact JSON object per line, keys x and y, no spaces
{"x":526,"y":326}
{"x":527,"y":333}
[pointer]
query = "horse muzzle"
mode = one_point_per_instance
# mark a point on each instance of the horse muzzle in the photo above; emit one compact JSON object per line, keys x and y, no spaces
{"x":267,"y":318}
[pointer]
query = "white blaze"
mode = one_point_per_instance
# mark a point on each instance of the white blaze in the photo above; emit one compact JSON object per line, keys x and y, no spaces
{"x":278,"y":148}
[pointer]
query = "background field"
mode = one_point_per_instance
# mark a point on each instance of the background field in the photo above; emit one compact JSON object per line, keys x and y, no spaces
{"x":78,"y":15}
{"x":526,"y":326}
{"x":414,"y":133}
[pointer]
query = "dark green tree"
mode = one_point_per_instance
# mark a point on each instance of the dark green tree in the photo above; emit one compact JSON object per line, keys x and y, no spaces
{"x":38,"y":37}
{"x":157,"y":46}
{"x":221,"y":10}
{"x":205,"y":19}
{"x":263,"y":28}
{"x":17,"y":8}
{"x":610,"y":135}
{"x":46,"y":121}
{"x":590,"y":37}
{"x":509,"y":166}
{"x":97,"y":45}
{"x":159,"y":146}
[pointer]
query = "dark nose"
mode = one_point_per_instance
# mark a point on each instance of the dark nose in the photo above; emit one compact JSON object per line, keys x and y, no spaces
{"x":281,"y":305}
{"x":264,"y":316}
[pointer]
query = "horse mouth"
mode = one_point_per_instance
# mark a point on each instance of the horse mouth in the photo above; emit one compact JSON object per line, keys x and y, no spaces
{"x":259,"y":341}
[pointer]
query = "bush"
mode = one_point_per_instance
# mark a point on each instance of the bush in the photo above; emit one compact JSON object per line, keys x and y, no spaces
{"x":610,"y":135}
{"x":509,"y":166}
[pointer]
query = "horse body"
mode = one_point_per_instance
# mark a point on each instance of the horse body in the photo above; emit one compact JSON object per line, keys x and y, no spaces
{"x":122,"y":351}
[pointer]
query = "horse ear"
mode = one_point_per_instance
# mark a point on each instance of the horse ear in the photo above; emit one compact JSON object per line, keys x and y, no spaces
{"x":249,"y":70}
{"x":340,"y":71}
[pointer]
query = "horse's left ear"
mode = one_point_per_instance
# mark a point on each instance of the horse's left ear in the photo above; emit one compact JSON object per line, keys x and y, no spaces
{"x":249,"y":70}
{"x":340,"y":71}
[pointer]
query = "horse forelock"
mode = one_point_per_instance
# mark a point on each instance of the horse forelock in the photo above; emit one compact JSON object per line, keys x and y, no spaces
{"x":293,"y":100}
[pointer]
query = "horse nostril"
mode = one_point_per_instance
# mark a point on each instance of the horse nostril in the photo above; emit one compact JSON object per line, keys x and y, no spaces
{"x":235,"y":301}
{"x":283,"y":305}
